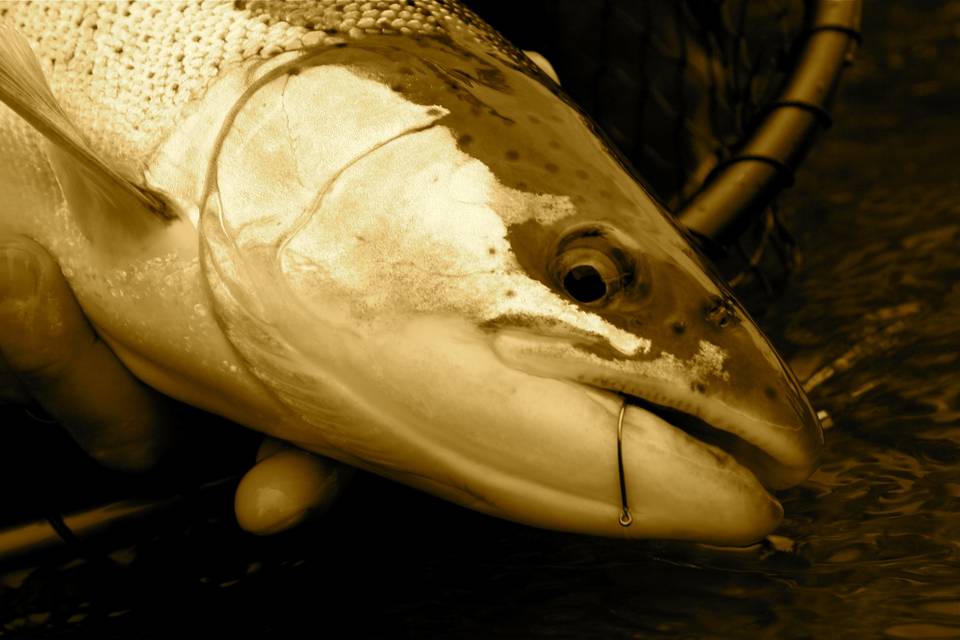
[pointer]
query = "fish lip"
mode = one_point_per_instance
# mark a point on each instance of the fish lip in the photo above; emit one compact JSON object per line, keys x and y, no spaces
{"x":769,"y":470}
{"x":780,"y":454}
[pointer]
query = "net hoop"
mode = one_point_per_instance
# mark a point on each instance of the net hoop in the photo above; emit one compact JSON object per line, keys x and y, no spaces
{"x":742,"y":187}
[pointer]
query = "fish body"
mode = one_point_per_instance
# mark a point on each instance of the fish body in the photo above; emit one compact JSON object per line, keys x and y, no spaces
{"x":379,"y":231}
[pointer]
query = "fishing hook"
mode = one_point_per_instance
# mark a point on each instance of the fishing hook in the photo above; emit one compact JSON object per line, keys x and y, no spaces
{"x":625,"y":518}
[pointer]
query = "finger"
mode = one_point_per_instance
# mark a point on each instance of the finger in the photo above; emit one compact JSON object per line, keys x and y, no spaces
{"x":285,"y":487}
{"x":47,"y":343}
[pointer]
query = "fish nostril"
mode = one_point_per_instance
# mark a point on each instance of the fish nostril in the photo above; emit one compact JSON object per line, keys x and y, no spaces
{"x":679,"y":327}
{"x":722,"y":313}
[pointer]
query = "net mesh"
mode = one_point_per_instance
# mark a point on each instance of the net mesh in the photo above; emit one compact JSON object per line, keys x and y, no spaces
{"x":678,"y":87}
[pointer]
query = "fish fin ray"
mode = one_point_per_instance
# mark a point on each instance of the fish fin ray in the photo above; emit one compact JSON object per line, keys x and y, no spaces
{"x":90,"y":186}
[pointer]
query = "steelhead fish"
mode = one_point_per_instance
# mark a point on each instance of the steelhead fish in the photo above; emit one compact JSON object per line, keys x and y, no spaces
{"x":378,"y":231}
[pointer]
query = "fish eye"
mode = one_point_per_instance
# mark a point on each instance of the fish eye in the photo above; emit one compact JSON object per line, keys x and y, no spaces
{"x":588,"y":275}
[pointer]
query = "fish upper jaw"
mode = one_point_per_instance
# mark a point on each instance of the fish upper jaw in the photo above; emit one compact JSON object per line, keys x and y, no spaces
{"x":777,"y":440}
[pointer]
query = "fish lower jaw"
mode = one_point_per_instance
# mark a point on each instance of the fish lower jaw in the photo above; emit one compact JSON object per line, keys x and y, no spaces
{"x":681,"y":487}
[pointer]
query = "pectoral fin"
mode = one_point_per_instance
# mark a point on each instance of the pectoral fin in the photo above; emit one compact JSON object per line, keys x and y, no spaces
{"x":104,"y":201}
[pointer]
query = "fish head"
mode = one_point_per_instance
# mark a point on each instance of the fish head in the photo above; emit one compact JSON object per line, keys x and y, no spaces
{"x":437,"y":263}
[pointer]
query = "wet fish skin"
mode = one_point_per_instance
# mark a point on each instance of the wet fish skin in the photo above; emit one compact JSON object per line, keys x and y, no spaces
{"x":124,"y":73}
{"x":368,"y":261}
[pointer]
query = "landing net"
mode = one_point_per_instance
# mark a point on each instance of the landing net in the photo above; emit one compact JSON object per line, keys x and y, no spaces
{"x":714,"y":102}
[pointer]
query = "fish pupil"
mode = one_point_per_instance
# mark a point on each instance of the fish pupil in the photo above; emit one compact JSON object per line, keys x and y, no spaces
{"x":584,"y":283}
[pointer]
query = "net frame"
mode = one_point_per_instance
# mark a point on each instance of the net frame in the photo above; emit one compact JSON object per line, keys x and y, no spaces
{"x":746,"y":184}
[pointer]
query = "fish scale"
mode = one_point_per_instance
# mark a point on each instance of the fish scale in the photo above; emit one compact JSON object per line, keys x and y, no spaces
{"x":124,"y":69}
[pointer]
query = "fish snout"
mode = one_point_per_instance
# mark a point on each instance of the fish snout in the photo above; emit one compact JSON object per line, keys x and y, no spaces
{"x":757,"y":401}
{"x":709,"y":369}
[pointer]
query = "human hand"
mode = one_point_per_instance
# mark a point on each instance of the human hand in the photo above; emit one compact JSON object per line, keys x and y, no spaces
{"x":50,"y":355}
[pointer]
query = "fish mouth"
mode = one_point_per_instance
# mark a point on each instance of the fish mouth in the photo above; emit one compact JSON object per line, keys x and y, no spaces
{"x":777,"y":441}
{"x":771,"y":472}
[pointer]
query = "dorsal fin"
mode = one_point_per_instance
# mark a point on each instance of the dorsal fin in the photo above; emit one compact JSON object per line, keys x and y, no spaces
{"x":90,"y":186}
